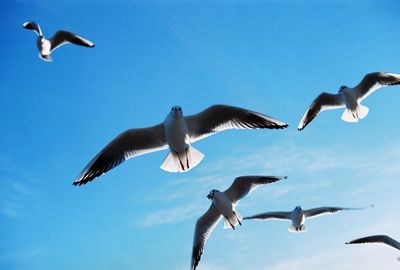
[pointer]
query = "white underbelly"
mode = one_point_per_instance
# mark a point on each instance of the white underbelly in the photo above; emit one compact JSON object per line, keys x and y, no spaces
{"x":176,"y":135}
{"x":46,"y":46}
{"x":297,"y":219}
{"x":223,"y":204}
{"x":350,"y":101}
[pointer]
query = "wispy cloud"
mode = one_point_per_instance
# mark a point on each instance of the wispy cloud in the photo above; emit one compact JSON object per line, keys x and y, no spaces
{"x":301,"y":162}
{"x":19,"y":197}
{"x":173,"y":215}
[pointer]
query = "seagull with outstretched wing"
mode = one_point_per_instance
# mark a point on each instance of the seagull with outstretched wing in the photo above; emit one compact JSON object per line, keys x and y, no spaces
{"x":350,"y":98}
{"x":61,"y":37}
{"x":177,"y":133}
{"x":224,"y":206}
{"x":298,"y":216}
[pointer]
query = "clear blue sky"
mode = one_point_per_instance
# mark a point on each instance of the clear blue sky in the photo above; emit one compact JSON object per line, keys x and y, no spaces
{"x":274,"y":57}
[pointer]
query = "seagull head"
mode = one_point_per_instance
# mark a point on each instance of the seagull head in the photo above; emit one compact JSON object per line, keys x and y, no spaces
{"x":298,"y":208}
{"x":211,"y":195}
{"x":176,"y":110}
{"x":341,"y":89}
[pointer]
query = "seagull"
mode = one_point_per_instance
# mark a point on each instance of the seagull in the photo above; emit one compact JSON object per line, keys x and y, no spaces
{"x":384,"y":239}
{"x":177,"y":133}
{"x":224,"y":205}
{"x":47,"y":46}
{"x":298,"y":215}
{"x":350,"y":98}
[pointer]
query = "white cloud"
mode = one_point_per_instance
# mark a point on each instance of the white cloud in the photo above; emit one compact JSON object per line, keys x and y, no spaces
{"x":172,"y":215}
{"x":18,"y":198}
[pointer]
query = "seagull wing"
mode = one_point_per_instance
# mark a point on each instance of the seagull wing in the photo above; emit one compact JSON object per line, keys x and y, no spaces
{"x":217,"y":118}
{"x":131,"y":143}
{"x":270,"y":215}
{"x":323,"y":102}
{"x":61,"y":37}
{"x":243,"y":185}
{"x":204,"y":227}
{"x":373,"y":81}
{"x":315,"y":212}
{"x":31,"y":25}
{"x":384,"y":239}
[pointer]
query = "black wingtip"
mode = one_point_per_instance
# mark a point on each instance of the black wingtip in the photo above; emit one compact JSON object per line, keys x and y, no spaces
{"x":282,"y":126}
{"x":80,"y":182}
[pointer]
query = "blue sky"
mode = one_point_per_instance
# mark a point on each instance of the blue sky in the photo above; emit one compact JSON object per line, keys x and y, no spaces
{"x":273,"y":57}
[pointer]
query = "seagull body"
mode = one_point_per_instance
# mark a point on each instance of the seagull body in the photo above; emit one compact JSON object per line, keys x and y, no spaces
{"x":224,"y":205}
{"x":383,"y":239}
{"x":226,"y":208}
{"x":177,"y":133}
{"x":298,"y":216}
{"x":350,"y":98}
{"x":47,"y":46}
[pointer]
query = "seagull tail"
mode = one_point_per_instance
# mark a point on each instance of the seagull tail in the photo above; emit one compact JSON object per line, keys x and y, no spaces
{"x":231,"y":221}
{"x":293,"y":229}
{"x":349,"y":116}
{"x":352,"y":116}
{"x":46,"y":58}
{"x":362,"y":111}
{"x":195,"y":157}
{"x":182,"y":162}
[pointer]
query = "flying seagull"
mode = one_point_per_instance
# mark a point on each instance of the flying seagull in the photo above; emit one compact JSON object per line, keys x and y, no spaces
{"x":177,"y":133}
{"x":384,"y":239}
{"x":47,"y":46}
{"x":298,"y":216}
{"x":350,"y":98}
{"x":224,"y":205}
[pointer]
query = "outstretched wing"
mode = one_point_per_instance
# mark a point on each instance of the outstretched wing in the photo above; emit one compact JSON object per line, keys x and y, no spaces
{"x":243,"y":185}
{"x":217,"y":118}
{"x":374,"y":81}
{"x":204,"y":227}
{"x":270,"y":215}
{"x":315,"y":212}
{"x":131,"y":143}
{"x":323,"y":102}
{"x":61,"y":37}
{"x":31,"y":25}
{"x":384,"y":239}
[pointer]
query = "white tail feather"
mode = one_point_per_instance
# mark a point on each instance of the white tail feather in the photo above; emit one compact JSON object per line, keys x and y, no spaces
{"x":46,"y":58}
{"x":294,"y":230}
{"x":232,"y":220}
{"x":362,"y":111}
{"x":349,"y":117}
{"x":195,"y":157}
{"x":352,"y":116}
{"x":239,"y":216}
{"x":171,"y":163}
{"x":182,"y":163}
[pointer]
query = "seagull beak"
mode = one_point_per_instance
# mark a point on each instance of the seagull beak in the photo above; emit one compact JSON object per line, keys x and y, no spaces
{"x":209,"y":197}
